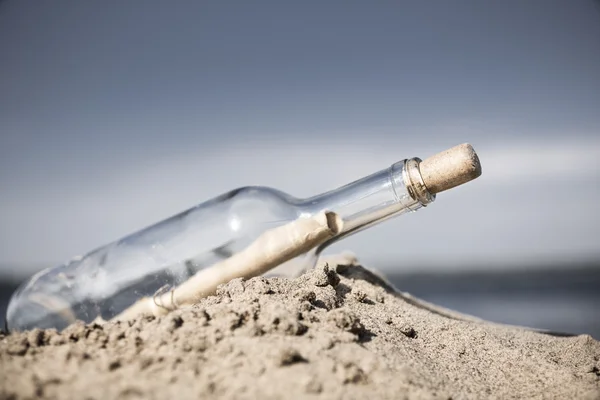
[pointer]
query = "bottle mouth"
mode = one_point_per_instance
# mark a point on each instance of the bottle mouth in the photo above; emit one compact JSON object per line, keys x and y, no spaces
{"x":411,"y":175}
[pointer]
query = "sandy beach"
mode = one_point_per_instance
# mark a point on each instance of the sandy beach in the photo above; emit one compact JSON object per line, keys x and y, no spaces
{"x":337,"y":332}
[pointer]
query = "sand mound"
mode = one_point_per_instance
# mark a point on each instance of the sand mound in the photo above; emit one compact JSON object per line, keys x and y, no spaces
{"x":336,"y":332}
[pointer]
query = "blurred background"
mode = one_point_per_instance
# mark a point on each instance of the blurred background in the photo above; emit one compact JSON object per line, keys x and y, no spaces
{"x":115,"y":115}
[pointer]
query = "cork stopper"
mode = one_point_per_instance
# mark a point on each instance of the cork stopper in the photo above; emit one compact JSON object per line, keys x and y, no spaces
{"x":450,"y":168}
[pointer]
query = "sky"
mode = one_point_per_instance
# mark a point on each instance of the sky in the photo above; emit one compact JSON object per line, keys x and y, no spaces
{"x":115,"y":115}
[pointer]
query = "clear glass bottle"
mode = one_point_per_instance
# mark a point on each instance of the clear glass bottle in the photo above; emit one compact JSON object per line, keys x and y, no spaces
{"x":111,"y":278}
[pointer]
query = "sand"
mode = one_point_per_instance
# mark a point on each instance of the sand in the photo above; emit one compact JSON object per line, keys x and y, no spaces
{"x":338,"y":332}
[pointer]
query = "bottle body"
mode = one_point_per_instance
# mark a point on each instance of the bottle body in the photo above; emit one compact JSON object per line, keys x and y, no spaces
{"x":111,"y":278}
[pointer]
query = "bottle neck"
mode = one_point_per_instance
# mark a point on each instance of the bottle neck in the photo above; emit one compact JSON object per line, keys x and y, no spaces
{"x":374,"y":198}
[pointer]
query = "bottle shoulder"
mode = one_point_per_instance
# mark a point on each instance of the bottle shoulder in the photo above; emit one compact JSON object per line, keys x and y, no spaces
{"x":248,"y":201}
{"x":259,"y":193}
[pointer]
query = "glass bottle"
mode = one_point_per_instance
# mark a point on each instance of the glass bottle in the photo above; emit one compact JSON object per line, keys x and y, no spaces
{"x":109,"y":279}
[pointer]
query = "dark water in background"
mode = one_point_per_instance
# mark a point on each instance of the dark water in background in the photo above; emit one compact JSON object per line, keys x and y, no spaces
{"x":559,"y":299}
{"x":566,"y":301}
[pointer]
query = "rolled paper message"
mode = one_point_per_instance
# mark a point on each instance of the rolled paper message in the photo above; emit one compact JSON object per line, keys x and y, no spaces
{"x":269,"y":250}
